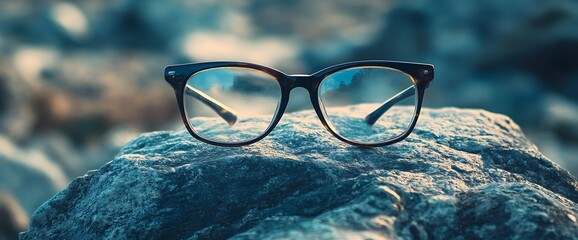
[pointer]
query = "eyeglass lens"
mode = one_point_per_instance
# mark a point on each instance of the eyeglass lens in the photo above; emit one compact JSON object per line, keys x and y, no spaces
{"x":243,"y":102}
{"x":368,"y":104}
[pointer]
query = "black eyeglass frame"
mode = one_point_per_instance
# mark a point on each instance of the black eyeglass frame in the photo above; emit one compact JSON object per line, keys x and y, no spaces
{"x":421,"y":74}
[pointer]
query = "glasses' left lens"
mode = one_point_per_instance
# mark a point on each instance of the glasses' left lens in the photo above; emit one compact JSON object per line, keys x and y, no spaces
{"x":231,"y":104}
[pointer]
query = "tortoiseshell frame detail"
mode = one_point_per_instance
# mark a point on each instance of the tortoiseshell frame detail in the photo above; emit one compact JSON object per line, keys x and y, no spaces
{"x":421,"y":74}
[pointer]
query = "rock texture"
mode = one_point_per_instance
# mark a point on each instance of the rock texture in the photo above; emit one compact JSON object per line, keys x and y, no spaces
{"x":462,"y":174}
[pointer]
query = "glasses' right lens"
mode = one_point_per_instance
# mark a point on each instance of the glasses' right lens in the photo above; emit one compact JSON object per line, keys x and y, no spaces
{"x":384,"y":102}
{"x":231,"y":104}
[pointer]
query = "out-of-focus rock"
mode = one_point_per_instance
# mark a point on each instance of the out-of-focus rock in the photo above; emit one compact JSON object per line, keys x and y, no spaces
{"x":77,"y":160}
{"x":16,"y":116}
{"x":70,"y":20}
{"x":503,"y":57}
{"x":14,"y":220}
{"x":100,"y":153}
{"x":61,"y":151}
{"x":461,"y":174}
{"x":562,"y":117}
{"x":81,"y":95}
{"x":28,"y":175}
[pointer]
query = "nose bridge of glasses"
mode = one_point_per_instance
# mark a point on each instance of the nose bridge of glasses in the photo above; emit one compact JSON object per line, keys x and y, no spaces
{"x":300,"y":80}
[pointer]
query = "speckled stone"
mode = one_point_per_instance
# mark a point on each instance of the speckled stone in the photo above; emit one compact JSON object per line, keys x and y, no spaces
{"x":462,"y":174}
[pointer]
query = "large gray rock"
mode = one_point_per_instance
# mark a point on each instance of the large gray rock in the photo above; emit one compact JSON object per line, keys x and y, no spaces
{"x":462,"y":174}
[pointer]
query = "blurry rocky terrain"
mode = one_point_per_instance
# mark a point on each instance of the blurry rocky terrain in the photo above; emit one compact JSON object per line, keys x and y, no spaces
{"x":474,"y":176}
{"x":78,"y":79}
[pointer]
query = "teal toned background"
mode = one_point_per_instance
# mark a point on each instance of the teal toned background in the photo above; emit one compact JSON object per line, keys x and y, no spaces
{"x":78,"y":79}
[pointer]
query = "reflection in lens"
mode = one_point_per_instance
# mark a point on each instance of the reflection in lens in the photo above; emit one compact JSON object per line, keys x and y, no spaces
{"x":354,"y":98}
{"x":231,"y":104}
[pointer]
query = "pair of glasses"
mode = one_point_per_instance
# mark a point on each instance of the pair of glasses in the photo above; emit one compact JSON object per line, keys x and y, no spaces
{"x":364,"y":103}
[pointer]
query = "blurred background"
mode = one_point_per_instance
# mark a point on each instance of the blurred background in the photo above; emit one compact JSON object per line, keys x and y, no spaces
{"x":78,"y":79}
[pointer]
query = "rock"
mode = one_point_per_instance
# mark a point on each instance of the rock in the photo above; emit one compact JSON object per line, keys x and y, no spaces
{"x":461,"y":174}
{"x":16,"y":115}
{"x":28,"y":175}
{"x":61,"y":152}
{"x":14,"y":220}
{"x":70,"y":20}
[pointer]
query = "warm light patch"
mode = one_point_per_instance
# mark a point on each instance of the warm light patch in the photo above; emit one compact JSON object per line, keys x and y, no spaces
{"x":30,"y":62}
{"x":209,"y":46}
{"x":70,"y":18}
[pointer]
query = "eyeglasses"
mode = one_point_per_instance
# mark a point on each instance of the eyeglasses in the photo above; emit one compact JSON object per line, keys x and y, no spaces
{"x":365,"y":103}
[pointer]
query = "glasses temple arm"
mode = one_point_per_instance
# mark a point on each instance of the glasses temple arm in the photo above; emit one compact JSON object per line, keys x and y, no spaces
{"x":372,"y":117}
{"x":223,"y":110}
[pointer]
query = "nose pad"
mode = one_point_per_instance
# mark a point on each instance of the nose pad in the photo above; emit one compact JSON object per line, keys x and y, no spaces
{"x":299,"y":99}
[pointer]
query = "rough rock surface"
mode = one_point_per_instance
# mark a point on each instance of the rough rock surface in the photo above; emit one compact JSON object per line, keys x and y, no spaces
{"x":462,"y":174}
